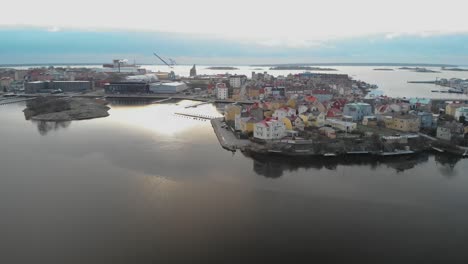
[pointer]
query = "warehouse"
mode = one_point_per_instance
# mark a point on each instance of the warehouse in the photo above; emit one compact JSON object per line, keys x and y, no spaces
{"x":168,"y":88}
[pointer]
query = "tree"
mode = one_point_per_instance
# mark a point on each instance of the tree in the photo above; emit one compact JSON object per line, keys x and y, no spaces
{"x":462,"y":119}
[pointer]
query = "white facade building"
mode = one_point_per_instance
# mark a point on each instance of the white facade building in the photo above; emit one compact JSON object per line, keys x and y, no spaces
{"x":235,"y":81}
{"x":171,"y":87}
{"x":269,"y":130}
{"x":341,"y":125}
{"x":222,"y":93}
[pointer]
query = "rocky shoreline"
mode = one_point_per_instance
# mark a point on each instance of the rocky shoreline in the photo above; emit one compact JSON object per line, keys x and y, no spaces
{"x":65,"y":109}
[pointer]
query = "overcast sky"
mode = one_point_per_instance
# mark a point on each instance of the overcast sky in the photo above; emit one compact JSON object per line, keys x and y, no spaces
{"x":291,"y":24}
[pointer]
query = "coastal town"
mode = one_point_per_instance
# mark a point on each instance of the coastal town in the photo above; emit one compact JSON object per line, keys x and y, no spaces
{"x":302,"y":114}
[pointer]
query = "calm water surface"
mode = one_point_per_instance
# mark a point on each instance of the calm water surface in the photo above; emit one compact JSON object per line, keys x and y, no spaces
{"x":147,"y":186}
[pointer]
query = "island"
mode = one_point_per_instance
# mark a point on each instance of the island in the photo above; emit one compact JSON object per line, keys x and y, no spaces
{"x":383,"y":69}
{"x":50,"y":108}
{"x":453,"y":69}
{"x":301,"y":68}
{"x":418,"y":69}
{"x":222,"y":68}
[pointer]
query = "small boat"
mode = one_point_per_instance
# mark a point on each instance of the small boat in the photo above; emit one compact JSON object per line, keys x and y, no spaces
{"x":438,"y":149}
{"x":329,"y":155}
{"x":396,"y":153}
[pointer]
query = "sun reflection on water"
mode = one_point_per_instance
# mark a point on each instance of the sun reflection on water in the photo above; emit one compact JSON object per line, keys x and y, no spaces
{"x":162,"y":118}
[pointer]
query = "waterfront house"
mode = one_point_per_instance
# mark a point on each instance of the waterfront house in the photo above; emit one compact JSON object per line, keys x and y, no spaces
{"x":230,"y":112}
{"x":269,"y":129}
{"x":328,"y":132}
{"x":341,"y":125}
{"x":403,"y":122}
{"x":247,"y":124}
{"x":357,"y":110}
{"x":449,"y":130}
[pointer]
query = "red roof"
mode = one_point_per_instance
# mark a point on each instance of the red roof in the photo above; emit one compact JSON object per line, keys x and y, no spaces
{"x":333,"y":112}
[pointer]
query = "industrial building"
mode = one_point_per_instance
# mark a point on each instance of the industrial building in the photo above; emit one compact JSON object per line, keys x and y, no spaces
{"x":167,"y":88}
{"x":49,"y":86}
{"x":126,"y":87}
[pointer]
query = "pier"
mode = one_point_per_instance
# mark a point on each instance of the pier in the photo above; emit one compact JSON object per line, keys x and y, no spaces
{"x":162,"y":100}
{"x":198,"y":104}
{"x":226,"y":138}
{"x":14,"y":100}
{"x":201,"y":116}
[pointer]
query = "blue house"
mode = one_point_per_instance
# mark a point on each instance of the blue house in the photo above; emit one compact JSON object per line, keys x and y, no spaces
{"x":426,"y":119}
{"x":357,"y":111}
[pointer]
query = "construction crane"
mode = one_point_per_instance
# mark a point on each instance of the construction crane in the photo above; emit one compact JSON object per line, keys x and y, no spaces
{"x":170,"y":66}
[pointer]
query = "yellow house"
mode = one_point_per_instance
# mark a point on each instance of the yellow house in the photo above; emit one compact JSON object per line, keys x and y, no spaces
{"x":275,"y":105}
{"x":291,"y":103}
{"x":268,"y":114}
{"x":247,"y":124}
{"x":405,"y":123}
{"x":230,"y":112}
{"x":316,"y":119}
{"x":305,"y":119}
{"x":287,"y":123}
{"x":451,"y":108}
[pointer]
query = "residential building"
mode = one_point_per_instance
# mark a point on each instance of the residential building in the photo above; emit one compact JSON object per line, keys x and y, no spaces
{"x":328,"y":132}
{"x":451,"y":108}
{"x":230,"y":112}
{"x":425,"y":119}
{"x":5,"y":83}
{"x":284,"y":112}
{"x":449,"y":130}
{"x":341,"y":125}
{"x":316,"y":119}
{"x":236,"y":81}
{"x":269,"y":129}
{"x":357,"y":111}
{"x":247,"y":124}
{"x":222,"y":92}
{"x":369,"y":121}
{"x":405,"y":123}
{"x":322,"y":95}
{"x":421,"y":104}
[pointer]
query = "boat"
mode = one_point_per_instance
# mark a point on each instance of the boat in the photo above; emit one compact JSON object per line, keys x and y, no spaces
{"x":438,"y":149}
{"x":329,"y":155}
{"x":396,"y":153}
{"x":9,"y":95}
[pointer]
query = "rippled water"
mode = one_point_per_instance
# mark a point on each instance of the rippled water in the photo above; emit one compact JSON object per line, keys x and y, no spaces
{"x":147,"y":186}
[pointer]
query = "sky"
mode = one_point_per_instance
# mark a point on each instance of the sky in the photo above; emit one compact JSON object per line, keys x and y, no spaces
{"x":242,"y":31}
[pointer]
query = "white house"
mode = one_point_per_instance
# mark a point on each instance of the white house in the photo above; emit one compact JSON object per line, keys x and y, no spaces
{"x":284,"y":112}
{"x":222,"y":91}
{"x":341,"y":125}
{"x":302,"y":109}
{"x":269,"y":129}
